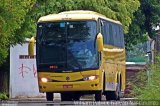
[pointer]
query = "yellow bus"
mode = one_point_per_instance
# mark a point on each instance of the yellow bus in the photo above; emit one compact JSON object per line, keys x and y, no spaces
{"x":80,"y":52}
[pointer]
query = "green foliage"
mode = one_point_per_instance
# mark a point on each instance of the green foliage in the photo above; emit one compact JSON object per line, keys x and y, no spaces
{"x":138,"y":83}
{"x":18,"y":17}
{"x":134,"y":83}
{"x":149,"y":87}
{"x":3,"y":96}
{"x":137,"y":33}
{"x":138,"y":53}
{"x":147,"y":17}
{"x":151,"y":10}
{"x":12,"y":14}
{"x":121,"y":10}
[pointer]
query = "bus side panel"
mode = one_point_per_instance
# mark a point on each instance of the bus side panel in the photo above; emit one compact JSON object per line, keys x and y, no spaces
{"x":110,"y":74}
{"x":114,"y":65}
{"x":123,"y":73}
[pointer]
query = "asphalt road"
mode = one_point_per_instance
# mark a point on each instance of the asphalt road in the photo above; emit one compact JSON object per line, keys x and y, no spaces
{"x":73,"y":103}
{"x":83,"y":102}
{"x":87,"y":100}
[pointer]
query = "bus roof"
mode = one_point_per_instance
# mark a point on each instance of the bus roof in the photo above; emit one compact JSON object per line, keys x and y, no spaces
{"x":75,"y":15}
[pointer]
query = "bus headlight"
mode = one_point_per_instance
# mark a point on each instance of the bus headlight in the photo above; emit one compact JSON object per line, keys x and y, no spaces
{"x":44,"y":79}
{"x":92,"y":77}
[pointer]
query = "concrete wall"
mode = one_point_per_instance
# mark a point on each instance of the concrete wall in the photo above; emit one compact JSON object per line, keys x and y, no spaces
{"x":23,"y":73}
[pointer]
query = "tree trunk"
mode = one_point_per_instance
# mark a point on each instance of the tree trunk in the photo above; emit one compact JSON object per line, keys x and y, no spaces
{"x":4,"y":81}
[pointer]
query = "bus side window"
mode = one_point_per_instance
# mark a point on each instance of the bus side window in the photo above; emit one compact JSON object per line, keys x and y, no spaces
{"x":114,"y":35}
{"x":102,"y":23}
{"x":111,"y":42}
{"x":117,"y":37}
{"x":122,"y":36}
{"x":105,"y":31}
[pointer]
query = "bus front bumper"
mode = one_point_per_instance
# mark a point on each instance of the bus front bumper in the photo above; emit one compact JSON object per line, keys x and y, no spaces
{"x":69,"y":86}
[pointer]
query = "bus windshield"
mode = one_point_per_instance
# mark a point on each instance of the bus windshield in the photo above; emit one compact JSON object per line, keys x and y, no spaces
{"x":68,"y":45}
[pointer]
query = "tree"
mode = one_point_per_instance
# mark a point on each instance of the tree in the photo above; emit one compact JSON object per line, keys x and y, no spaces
{"x":137,"y":33}
{"x":12,"y":14}
{"x":18,"y":17}
{"x":145,"y":19}
{"x":121,"y":10}
{"x":151,"y":10}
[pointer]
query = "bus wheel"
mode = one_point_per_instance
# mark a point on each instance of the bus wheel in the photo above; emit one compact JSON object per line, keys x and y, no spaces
{"x":98,"y":96}
{"x":76,"y":97}
{"x":114,"y":95}
{"x":66,"y":97}
{"x":49,"y":96}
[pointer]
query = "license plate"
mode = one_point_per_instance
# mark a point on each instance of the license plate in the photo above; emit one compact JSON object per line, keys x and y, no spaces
{"x":68,"y":86}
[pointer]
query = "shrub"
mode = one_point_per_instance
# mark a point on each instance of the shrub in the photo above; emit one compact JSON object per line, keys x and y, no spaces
{"x":148,"y":83}
{"x":3,"y":96}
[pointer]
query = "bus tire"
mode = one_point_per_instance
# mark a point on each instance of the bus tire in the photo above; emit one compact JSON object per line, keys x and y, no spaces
{"x":113,"y":95}
{"x":49,"y":96}
{"x":98,"y":95}
{"x":66,"y":97}
{"x":76,"y":96}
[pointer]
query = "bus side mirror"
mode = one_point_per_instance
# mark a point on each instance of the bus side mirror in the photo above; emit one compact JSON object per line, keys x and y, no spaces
{"x":31,"y":46}
{"x":100,"y":42}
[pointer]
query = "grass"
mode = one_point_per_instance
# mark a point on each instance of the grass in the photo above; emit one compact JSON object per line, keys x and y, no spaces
{"x":148,"y":83}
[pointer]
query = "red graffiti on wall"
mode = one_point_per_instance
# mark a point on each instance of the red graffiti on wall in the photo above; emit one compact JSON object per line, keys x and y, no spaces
{"x":25,"y":70}
{"x":34,"y":71}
